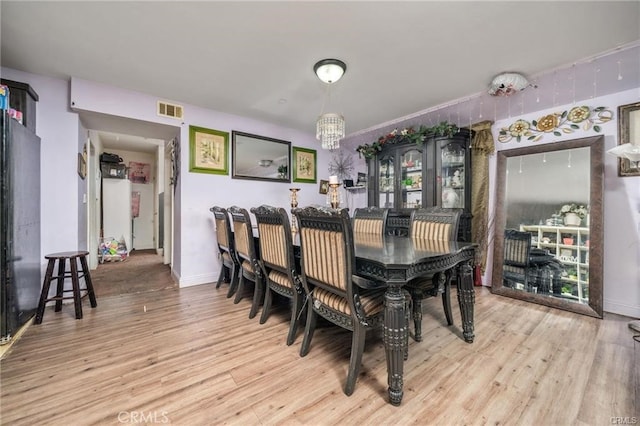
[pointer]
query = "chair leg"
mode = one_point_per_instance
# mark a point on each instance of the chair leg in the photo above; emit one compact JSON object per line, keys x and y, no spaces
{"x":240,"y":289}
{"x":233,"y":285}
{"x":308,"y":331}
{"x":357,"y":348}
{"x":446,"y":303}
{"x":258,"y":291}
{"x":267,"y":305}
{"x":44,"y":294}
{"x":295,"y":312}
{"x":88,"y":283}
{"x":417,"y":316}
{"x":60,"y":286}
{"x":222,"y":276}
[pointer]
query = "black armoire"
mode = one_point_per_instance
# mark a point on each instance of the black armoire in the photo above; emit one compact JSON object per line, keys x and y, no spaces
{"x":20,"y":258}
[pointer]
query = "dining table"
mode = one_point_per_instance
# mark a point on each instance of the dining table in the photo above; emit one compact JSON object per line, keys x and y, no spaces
{"x":396,"y":260}
{"x":393,"y":261}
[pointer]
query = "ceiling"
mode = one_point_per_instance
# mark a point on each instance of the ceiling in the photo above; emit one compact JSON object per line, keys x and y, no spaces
{"x":255,"y":59}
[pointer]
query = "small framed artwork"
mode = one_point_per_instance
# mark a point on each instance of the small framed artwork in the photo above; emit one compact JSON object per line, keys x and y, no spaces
{"x":82,"y":166}
{"x":324,"y":186}
{"x":304,"y":165}
{"x":628,"y":132}
{"x":208,"y":151}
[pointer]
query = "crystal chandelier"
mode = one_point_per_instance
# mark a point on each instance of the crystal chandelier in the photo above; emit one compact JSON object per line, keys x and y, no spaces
{"x":330,"y":126}
{"x":330,"y":129}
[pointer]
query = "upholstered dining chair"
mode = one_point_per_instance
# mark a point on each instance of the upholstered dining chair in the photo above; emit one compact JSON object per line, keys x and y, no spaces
{"x":517,"y":268}
{"x":370,"y":220}
{"x":246,"y":252}
{"x":226,"y":248}
{"x":327,"y":264}
{"x":436,"y":225}
{"x":278,"y":263}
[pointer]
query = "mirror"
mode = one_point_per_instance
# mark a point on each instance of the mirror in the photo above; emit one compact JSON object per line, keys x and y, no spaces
{"x":260,"y":158}
{"x":542,"y":253}
{"x":629,"y":132}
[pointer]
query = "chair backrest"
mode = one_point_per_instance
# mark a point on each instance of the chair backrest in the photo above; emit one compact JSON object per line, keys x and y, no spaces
{"x":370,"y":220}
{"x":327,"y":254}
{"x":243,"y":235}
{"x":276,"y":242}
{"x":434,"y":223}
{"x":223,"y":230}
{"x":517,"y":247}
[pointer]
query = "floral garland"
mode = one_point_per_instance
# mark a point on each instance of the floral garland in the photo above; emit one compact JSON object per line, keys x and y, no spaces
{"x":557,"y":123}
{"x":406,"y":135}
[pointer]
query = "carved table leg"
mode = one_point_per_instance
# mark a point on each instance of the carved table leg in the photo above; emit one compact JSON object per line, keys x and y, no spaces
{"x":395,"y":339}
{"x":466,"y":299}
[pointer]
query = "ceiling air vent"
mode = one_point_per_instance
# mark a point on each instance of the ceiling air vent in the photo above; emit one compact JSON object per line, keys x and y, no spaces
{"x":166,"y":109}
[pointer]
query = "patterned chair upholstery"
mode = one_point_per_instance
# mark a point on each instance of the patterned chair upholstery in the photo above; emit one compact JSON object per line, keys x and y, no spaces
{"x":432,"y":228}
{"x":246,"y":251}
{"x":517,"y":268}
{"x":327,"y":263}
{"x":370,"y":220}
{"x":226,"y":247}
{"x":278,"y":263}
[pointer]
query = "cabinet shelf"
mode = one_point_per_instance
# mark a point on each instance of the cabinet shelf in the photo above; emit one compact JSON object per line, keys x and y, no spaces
{"x":573,"y":257}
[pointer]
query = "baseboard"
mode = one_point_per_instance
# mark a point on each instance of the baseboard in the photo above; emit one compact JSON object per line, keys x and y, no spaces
{"x":197,"y":280}
{"x":621,"y":309}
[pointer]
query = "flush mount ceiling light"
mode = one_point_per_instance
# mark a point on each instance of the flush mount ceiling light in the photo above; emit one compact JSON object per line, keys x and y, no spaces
{"x":330,"y":127}
{"x":508,"y":83}
{"x":264,"y":163}
{"x":329,"y":70}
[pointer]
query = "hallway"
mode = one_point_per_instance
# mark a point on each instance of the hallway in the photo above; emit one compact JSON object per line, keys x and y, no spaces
{"x":142,"y":271}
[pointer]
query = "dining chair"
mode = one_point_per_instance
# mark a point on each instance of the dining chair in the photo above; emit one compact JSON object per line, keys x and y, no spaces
{"x":517,"y":267}
{"x":327,"y":265}
{"x":226,"y":248}
{"x":278,"y":263}
{"x":246,"y":252}
{"x":370,"y":220}
{"x":433,"y":226}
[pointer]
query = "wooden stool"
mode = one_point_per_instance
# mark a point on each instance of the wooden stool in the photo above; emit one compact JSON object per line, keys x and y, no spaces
{"x":73,"y":257}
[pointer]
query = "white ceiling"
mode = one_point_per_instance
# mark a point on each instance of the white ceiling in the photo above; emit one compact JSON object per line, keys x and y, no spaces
{"x":255,"y":59}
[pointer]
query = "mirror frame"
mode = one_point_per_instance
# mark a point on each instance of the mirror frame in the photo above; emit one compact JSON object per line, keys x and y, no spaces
{"x":624,"y":136}
{"x":261,"y":140}
{"x":596,"y":251}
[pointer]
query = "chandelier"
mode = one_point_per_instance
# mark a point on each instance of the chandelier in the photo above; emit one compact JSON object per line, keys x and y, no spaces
{"x":330,"y":126}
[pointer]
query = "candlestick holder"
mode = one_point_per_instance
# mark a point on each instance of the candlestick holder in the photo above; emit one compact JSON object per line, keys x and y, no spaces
{"x":334,"y":195}
{"x":294,"y":204}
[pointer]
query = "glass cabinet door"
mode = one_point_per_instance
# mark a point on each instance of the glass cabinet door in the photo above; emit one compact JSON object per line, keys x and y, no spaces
{"x":386,"y":182}
{"x":411,"y":178}
{"x":451,"y":175}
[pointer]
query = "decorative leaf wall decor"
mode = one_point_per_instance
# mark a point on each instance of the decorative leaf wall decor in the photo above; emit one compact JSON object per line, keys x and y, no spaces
{"x":557,"y":123}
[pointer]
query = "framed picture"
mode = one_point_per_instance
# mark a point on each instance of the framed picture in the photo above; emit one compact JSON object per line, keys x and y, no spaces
{"x":82,"y":166}
{"x":139,"y":172}
{"x":304,"y":165}
{"x":208,"y":151}
{"x":628,"y":131}
{"x":324,"y":186}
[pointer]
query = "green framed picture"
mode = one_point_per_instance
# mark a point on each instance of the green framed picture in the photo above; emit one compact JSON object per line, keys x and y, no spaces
{"x":208,"y":151}
{"x":304,"y":165}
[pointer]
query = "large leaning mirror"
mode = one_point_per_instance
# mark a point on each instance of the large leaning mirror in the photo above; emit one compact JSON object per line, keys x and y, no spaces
{"x":260,"y":158}
{"x":548,"y":245}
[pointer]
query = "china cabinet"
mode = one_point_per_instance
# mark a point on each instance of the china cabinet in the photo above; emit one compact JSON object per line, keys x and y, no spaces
{"x":406,"y":175}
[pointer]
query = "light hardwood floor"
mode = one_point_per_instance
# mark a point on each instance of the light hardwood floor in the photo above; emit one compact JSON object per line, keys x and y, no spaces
{"x":191,"y":357}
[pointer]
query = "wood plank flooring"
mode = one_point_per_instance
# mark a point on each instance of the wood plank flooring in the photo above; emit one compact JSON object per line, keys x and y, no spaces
{"x":192,"y":357}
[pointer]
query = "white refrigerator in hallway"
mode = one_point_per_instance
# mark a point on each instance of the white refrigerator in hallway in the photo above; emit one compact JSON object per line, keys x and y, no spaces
{"x":116,"y":209}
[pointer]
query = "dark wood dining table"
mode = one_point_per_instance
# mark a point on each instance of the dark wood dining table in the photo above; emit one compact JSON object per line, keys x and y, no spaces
{"x":397,"y":260}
